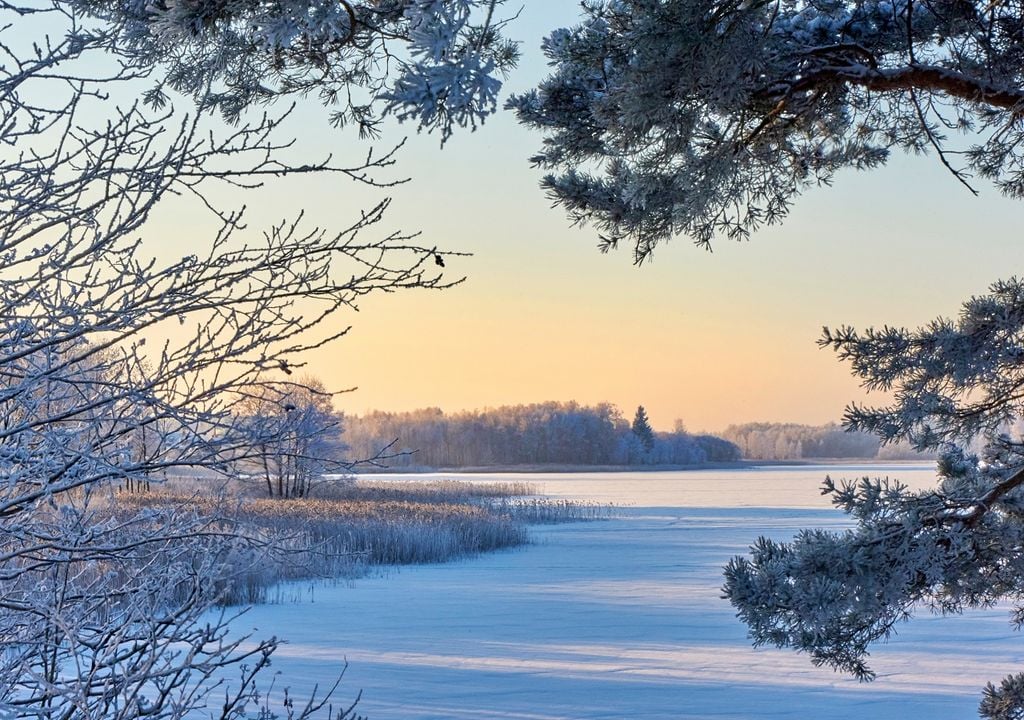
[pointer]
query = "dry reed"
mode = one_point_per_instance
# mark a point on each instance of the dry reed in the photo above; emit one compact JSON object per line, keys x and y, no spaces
{"x":356,"y":525}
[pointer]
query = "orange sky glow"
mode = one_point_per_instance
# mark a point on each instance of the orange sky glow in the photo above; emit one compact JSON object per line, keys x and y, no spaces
{"x":711,"y":338}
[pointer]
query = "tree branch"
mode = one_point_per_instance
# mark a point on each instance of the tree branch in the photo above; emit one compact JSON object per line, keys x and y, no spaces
{"x":929,"y":78}
{"x":999,"y":490}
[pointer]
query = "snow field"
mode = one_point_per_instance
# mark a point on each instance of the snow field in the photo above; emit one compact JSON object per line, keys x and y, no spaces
{"x":620,"y":618}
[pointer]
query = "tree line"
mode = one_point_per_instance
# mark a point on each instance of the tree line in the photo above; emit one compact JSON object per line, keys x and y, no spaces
{"x":563,"y":433}
{"x":792,"y":441}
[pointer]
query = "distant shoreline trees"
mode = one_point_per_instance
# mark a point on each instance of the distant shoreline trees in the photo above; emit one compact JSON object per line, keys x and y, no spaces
{"x":792,"y":441}
{"x":567,"y":433}
{"x":541,"y":433}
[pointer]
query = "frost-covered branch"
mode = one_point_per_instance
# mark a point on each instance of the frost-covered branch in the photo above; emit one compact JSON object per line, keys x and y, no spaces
{"x":956,"y":388}
{"x":437,"y":63}
{"x":708,"y":118}
{"x":123,"y":361}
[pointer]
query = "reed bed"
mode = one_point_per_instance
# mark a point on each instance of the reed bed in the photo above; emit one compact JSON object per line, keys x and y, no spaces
{"x":432,"y":491}
{"x":542,"y":511}
{"x":357,"y":525}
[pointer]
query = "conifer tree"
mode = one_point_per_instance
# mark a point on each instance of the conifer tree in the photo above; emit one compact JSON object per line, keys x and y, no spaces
{"x":642,"y":429}
{"x":956,"y":385}
{"x":707,"y":118}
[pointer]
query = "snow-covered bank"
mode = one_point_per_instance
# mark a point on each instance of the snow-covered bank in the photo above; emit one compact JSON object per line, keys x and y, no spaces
{"x":620,"y":619}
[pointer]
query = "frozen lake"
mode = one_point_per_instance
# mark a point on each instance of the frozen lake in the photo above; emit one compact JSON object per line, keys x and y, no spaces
{"x":622,"y":619}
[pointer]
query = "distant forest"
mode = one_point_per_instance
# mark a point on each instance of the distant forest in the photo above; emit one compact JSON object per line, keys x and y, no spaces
{"x":551,"y":433}
{"x":789,"y":441}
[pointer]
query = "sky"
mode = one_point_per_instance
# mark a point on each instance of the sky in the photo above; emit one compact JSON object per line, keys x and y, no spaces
{"x":712,"y":338}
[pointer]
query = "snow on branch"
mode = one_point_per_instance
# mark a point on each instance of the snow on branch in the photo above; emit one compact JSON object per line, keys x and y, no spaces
{"x":123,"y":362}
{"x":707,"y":119}
{"x":955,"y":388}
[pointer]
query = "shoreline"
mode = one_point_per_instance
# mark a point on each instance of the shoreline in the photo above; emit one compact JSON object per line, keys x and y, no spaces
{"x":556,"y":468}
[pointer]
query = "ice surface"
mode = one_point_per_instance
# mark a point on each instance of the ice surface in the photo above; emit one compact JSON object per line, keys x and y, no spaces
{"x":622,"y":619}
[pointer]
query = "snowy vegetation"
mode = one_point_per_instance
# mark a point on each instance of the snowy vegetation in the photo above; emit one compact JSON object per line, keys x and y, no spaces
{"x":546,"y":433}
{"x":953,"y":547}
{"x":352,"y":526}
{"x":707,"y":118}
{"x":294,"y":435}
{"x":123,"y":359}
{"x":641,"y":429}
{"x":435,"y":63}
{"x":790,"y":441}
{"x":120,"y":362}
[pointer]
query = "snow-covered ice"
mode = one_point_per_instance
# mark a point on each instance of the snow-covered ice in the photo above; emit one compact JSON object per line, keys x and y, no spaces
{"x":622,"y":619}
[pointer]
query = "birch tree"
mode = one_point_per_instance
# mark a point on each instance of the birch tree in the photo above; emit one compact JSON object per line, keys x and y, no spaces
{"x":294,"y":433}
